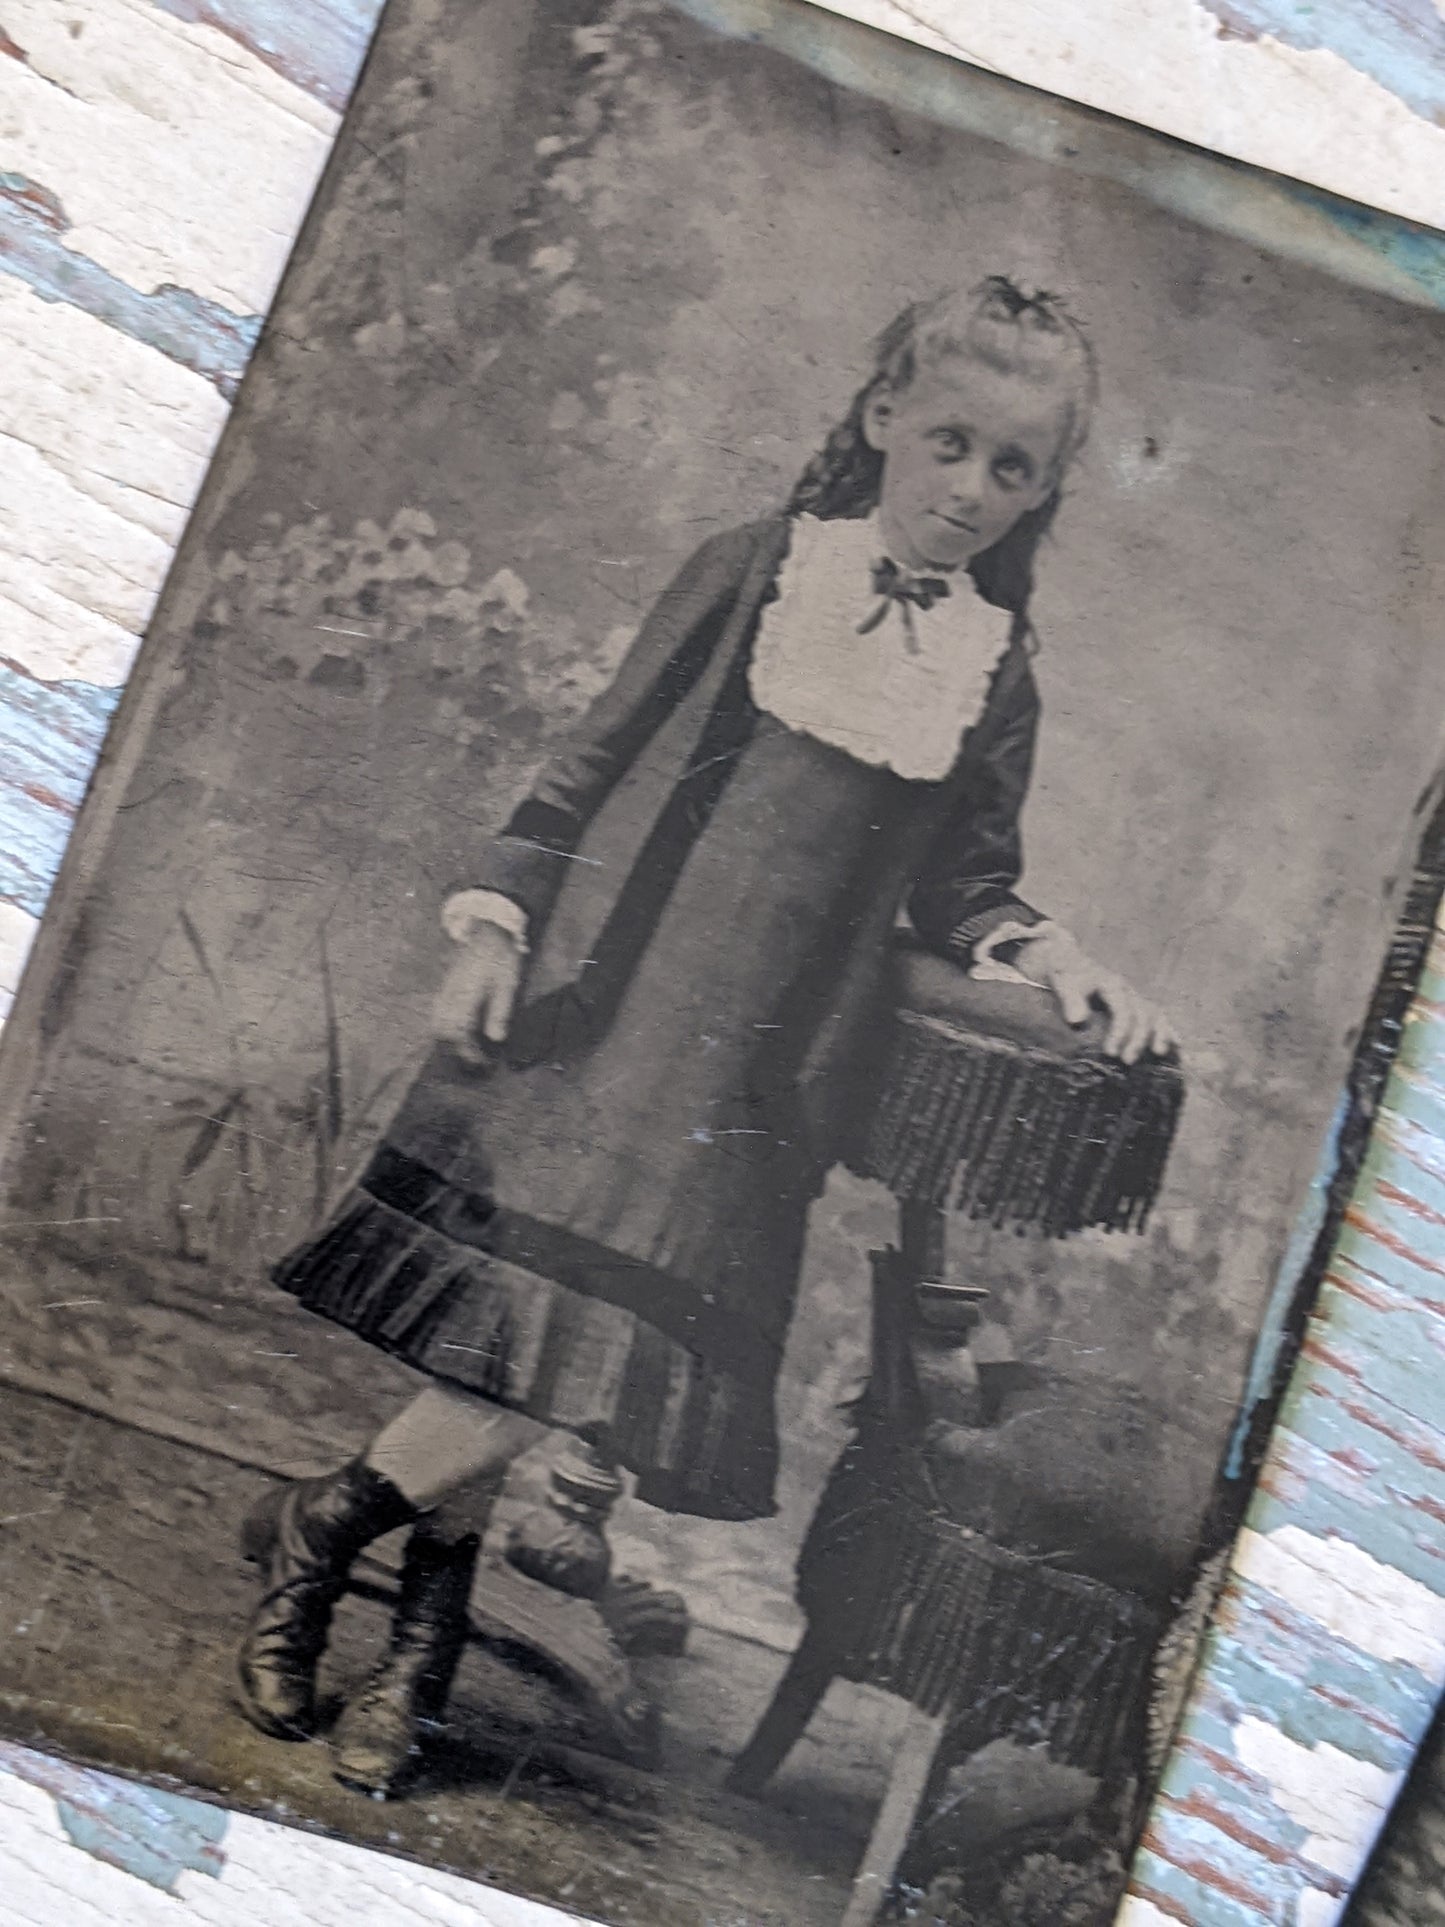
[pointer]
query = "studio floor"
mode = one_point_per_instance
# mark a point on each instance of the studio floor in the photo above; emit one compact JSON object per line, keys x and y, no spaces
{"x":124,"y":1594}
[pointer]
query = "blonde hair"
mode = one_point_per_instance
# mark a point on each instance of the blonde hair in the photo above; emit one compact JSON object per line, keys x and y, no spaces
{"x":1030,"y":335}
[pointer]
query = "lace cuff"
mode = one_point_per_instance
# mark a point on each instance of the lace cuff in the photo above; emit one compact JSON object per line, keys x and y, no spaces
{"x":989,"y":967}
{"x":463,"y":912}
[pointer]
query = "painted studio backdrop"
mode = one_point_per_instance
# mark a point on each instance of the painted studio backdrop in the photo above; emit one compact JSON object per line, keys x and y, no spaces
{"x":586,"y":287}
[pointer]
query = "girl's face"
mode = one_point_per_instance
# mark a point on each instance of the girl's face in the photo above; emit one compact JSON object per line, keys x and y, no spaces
{"x":967,"y":450}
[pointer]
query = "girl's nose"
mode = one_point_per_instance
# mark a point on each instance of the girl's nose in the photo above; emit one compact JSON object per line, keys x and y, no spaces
{"x":966,"y":480}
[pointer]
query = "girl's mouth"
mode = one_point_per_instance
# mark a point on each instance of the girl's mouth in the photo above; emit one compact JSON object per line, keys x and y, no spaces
{"x":956,"y":522}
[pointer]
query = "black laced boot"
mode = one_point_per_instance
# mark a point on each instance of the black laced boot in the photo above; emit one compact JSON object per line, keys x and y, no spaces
{"x":379,"y":1738}
{"x":305,"y":1537}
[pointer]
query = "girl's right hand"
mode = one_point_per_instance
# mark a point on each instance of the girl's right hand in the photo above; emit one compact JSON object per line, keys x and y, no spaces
{"x":479,"y":991}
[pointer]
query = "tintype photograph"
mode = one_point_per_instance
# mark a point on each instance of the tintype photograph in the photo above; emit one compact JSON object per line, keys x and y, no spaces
{"x":654,"y":1149}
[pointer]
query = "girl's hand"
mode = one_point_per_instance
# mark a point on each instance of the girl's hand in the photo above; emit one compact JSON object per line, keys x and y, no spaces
{"x":479,"y":991}
{"x":1055,"y":960}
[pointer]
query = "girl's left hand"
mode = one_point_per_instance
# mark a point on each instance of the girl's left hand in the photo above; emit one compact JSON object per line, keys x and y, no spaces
{"x":1057,"y":961}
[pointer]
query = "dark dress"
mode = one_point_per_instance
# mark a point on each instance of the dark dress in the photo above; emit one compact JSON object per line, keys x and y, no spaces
{"x":605,"y":1227}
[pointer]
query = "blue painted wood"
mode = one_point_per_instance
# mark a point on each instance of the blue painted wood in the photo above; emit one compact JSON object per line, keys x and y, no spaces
{"x":318,"y":44}
{"x":156,"y":1836}
{"x":199,"y":334}
{"x":1401,"y":45}
{"x":50,"y":737}
{"x":1356,"y":1462}
{"x":145,"y":1831}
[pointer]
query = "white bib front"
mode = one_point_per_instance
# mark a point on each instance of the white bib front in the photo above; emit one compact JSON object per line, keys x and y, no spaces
{"x":899,"y":696}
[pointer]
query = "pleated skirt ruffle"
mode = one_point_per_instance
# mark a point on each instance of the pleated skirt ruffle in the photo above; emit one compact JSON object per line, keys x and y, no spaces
{"x":699,"y":1439}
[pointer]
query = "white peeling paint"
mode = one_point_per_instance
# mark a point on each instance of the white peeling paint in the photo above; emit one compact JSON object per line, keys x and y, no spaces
{"x":1317,"y":1909}
{"x":105,"y":443}
{"x":296,"y":1880}
{"x":1138,"y":1912}
{"x":1368,"y":1605}
{"x":1339,"y":1800}
{"x":269,"y":1875}
{"x":176,"y":154}
{"x":17,"y":933}
{"x":1167,"y":65}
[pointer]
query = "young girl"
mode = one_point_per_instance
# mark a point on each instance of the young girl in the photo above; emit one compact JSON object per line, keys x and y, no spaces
{"x":590,"y":1210}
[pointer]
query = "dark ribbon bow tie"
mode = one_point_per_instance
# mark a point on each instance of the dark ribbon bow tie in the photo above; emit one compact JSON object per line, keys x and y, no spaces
{"x":892,"y":584}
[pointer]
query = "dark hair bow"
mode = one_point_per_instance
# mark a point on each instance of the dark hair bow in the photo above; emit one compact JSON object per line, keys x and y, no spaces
{"x":1045,"y":310}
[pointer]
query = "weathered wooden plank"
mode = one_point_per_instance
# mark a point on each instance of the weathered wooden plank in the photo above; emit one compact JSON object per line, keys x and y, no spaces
{"x":17,"y":933}
{"x":1402,"y":46}
{"x":1328,"y":1650}
{"x":319,"y":45}
{"x":167,"y":1859}
{"x":50,"y":736}
{"x":199,"y":334}
{"x":178,"y":156}
{"x":105,"y":446}
{"x":1346,"y":94}
{"x":1404,"y":1885}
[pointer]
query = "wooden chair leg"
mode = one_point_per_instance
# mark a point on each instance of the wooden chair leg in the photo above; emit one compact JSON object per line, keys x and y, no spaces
{"x":810,"y":1672}
{"x":943,"y":1303}
{"x":922,"y":1240}
{"x":907,"y":1782}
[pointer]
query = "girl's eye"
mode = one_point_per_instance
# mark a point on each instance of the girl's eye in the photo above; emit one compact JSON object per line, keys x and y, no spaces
{"x":951,"y":444}
{"x":1013,"y":471}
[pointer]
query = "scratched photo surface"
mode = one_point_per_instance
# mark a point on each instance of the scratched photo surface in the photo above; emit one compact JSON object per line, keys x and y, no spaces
{"x":675,"y":1071}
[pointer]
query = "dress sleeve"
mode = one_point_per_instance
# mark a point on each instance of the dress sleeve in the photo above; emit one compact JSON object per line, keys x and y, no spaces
{"x":967,"y":887}
{"x":527,"y":862}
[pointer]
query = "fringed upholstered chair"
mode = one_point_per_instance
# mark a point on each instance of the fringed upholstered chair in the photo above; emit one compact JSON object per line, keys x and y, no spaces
{"x":1009,"y":1575}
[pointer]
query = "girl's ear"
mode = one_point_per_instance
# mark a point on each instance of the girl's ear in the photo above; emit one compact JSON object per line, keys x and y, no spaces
{"x":878,"y":418}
